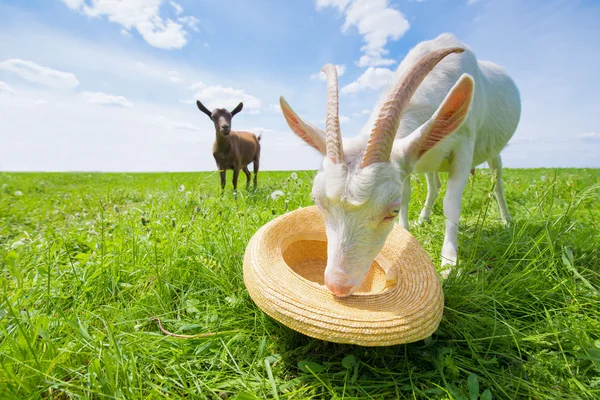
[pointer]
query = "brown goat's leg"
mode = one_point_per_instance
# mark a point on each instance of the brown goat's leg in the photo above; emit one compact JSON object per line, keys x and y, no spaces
{"x":222,"y":179}
{"x":255,"y":172}
{"x":248,"y":176}
{"x":236,"y":173}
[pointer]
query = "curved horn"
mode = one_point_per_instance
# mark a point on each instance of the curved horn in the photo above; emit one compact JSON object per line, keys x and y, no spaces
{"x":381,"y":141}
{"x":333,"y":134}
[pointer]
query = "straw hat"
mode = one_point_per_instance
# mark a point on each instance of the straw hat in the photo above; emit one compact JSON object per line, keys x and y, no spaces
{"x":401,"y":300}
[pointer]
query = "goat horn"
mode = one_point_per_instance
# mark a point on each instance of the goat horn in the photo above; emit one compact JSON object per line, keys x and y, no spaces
{"x":381,"y":140}
{"x":333,"y":134}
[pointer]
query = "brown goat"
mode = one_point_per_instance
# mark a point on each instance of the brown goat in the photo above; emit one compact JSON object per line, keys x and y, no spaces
{"x":233,"y":149}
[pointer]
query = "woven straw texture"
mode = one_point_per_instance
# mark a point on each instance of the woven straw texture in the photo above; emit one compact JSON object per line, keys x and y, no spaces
{"x":401,"y":300}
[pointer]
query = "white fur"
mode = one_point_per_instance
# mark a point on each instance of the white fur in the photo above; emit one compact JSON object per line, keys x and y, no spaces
{"x":355,"y":201}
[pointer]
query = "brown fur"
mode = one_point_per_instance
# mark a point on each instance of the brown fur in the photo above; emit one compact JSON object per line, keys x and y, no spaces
{"x":233,"y":150}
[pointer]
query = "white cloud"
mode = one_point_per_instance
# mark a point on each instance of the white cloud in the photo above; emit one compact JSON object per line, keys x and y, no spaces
{"x":375,"y":60}
{"x":155,"y":71}
{"x":125,"y":32}
{"x":261,"y":131}
{"x":274,"y":108}
{"x":226,"y":97}
{"x":177,"y":7}
{"x":5,"y":88}
{"x":168,"y":123}
{"x":184,"y":126}
{"x":69,"y":134}
{"x":74,"y":3}
{"x":190,"y":21}
{"x":143,"y":15}
{"x":39,"y":74}
{"x":373,"y":78}
{"x":198,"y":86}
{"x":19,"y":100}
{"x":321,"y":75}
{"x":103,"y":99}
{"x":376,"y":21}
{"x":341,"y":4}
{"x":472,"y":1}
{"x":175,"y":77}
{"x":206,"y":44}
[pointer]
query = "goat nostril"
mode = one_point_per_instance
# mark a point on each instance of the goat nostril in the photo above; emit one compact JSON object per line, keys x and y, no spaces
{"x":340,"y":290}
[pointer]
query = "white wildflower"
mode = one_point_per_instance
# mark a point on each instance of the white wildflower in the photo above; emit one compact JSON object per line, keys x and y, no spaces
{"x":18,"y":243}
{"x":18,"y":193}
{"x":544,"y":178}
{"x":294,"y":176}
{"x":276,"y":194}
{"x":181,"y":188}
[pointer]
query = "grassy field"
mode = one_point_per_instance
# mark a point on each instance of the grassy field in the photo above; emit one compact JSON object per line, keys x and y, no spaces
{"x":87,"y":259}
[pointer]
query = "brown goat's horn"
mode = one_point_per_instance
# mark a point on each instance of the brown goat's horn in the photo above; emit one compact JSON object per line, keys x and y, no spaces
{"x":381,"y":141}
{"x":333,"y":134}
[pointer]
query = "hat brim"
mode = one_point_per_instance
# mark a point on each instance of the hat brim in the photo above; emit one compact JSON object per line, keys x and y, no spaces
{"x":406,"y":306}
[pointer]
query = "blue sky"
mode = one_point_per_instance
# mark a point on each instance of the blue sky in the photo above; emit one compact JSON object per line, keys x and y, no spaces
{"x":105,"y":85}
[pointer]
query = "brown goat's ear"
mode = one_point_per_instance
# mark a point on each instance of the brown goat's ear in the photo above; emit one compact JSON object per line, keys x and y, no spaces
{"x":312,"y":135}
{"x":203,"y":109}
{"x":237,"y":109}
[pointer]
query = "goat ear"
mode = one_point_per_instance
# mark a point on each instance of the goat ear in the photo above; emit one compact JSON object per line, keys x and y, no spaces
{"x":237,"y":109}
{"x":203,"y":109}
{"x":448,"y":118}
{"x":312,"y":135}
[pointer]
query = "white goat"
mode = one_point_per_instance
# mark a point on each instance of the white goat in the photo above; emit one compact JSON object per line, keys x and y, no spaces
{"x":446,"y":117}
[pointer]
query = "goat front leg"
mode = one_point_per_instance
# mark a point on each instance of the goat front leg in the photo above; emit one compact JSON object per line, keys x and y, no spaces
{"x":404,"y":202}
{"x":222,"y":173}
{"x":236,"y":173}
{"x":433,"y":189}
{"x":458,"y":177}
{"x":496,"y":167}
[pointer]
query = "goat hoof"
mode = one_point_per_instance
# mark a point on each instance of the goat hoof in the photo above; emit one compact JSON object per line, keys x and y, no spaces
{"x":447,"y":265}
{"x":422,"y":221}
{"x":445,"y":272}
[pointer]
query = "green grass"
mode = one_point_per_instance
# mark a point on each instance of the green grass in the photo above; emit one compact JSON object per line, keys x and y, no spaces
{"x":87,"y":259}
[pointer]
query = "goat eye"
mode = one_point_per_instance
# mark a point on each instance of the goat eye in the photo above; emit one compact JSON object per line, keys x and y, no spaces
{"x":392,"y":214}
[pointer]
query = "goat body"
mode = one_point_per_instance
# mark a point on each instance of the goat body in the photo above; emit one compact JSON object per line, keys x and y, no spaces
{"x":493,"y":117}
{"x":235,"y":151}
{"x":491,"y":122}
{"x":445,"y":112}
